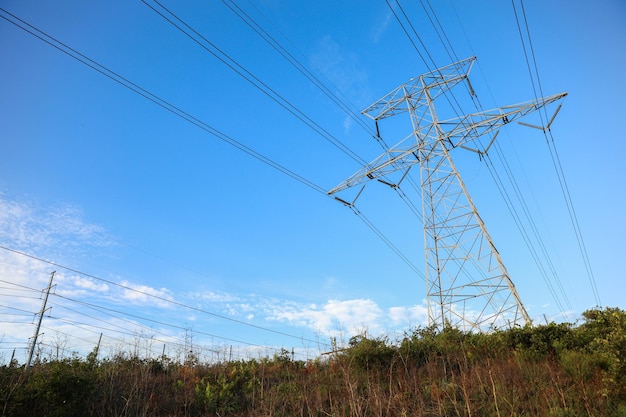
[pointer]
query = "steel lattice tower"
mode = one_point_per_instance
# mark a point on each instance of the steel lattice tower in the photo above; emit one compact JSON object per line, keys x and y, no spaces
{"x":467,"y":284}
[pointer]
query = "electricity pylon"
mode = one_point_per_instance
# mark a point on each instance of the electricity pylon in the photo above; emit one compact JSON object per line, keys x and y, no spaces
{"x":467,"y":284}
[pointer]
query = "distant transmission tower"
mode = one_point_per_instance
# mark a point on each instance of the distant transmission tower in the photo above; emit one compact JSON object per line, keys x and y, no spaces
{"x":467,"y":284}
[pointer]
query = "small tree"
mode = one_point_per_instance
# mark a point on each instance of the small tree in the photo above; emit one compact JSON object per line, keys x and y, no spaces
{"x":604,"y":334}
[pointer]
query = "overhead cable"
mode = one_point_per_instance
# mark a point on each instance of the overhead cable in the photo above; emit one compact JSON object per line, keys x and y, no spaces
{"x":153,"y":98}
{"x":503,"y":190}
{"x":62,"y":47}
{"x":299,"y":66}
{"x":556,"y":162}
{"x":492,"y":169}
{"x":240,"y":70}
{"x":156,"y":297}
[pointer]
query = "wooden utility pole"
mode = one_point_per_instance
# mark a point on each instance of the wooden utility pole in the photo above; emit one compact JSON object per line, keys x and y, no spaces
{"x":31,"y":350}
{"x":97,"y":348}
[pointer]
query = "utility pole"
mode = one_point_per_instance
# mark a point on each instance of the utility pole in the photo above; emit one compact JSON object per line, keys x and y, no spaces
{"x":95,"y":356}
{"x":31,"y":350}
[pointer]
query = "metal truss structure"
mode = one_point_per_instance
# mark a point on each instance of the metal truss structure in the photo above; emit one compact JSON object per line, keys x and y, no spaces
{"x":467,"y":284}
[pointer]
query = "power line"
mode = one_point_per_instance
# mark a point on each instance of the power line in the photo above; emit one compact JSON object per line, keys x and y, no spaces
{"x":23,"y":287}
{"x":451,"y":52}
{"x":574,"y":219}
{"x":18,"y":309}
{"x":503,"y":191}
{"x":495,"y":175}
{"x":240,"y":70}
{"x":108,"y":311}
{"x":556,"y":162}
{"x":136,"y":316}
{"x":163,"y":103}
{"x":388,"y":242}
{"x":95,"y":307}
{"x":299,"y":66}
{"x":169,"y":107}
{"x":407,"y":33}
{"x":156,"y":297}
{"x":522,"y":229}
{"x":448,"y":94}
{"x":124,"y":330}
{"x":166,"y":300}
{"x":562,"y":179}
{"x":533,"y":227}
{"x":107,"y":72}
{"x":55,"y":43}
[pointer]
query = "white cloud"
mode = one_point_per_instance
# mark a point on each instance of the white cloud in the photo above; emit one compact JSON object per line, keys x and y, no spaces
{"x":215,"y":297}
{"x":19,"y":224}
{"x":26,"y":226}
{"x":338,"y":318}
{"x":23,"y":280}
{"x":89,"y":284}
{"x":67,"y":220}
{"x":28,"y":230}
{"x":332,"y":318}
{"x":416,"y":315}
{"x":61,"y":234}
{"x":143,"y":294}
{"x":77,"y":286}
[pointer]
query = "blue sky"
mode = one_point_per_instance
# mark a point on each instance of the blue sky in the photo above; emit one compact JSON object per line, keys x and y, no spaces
{"x":96,"y":178}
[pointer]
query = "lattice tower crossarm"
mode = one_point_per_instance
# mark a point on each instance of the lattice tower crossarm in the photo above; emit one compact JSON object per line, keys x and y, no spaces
{"x":467,"y":284}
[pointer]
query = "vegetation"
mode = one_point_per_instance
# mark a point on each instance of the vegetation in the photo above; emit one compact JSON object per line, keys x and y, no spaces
{"x":550,"y":370}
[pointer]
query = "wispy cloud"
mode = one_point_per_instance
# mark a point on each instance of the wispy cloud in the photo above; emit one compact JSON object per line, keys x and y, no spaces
{"x":48,"y":232}
{"x":90,"y":284}
{"x":103,"y":305}
{"x":342,"y":68}
{"x":73,"y":285}
{"x":27,"y":226}
{"x":380,"y":30}
{"x":61,"y":234}
{"x":216,"y":297}
{"x":144,"y":294}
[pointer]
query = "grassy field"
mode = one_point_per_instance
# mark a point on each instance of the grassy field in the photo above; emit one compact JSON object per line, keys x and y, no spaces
{"x":549,"y":370}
